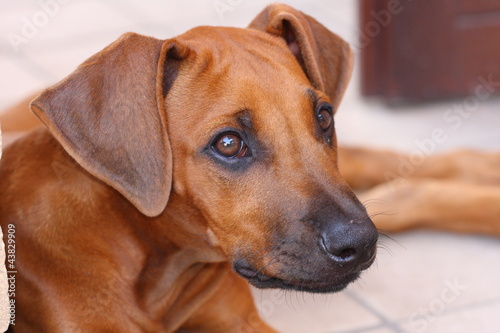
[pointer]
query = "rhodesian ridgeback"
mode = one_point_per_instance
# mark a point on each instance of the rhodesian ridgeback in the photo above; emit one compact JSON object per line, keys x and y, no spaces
{"x":170,"y":173}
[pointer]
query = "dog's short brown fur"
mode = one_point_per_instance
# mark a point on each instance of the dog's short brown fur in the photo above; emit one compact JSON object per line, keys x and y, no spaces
{"x":126,"y":221}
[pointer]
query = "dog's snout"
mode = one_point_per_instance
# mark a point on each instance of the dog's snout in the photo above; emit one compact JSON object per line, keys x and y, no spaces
{"x":350,"y":243}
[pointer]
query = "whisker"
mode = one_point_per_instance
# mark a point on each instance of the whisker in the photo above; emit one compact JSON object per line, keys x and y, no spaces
{"x":329,"y":301}
{"x":290,"y":304}
{"x":374,"y":200}
{"x":371,"y":202}
{"x":360,"y":282}
{"x":381,"y":233}
{"x":385,"y":213}
{"x":272,"y":261}
{"x":253,"y":254}
{"x":264,"y":255}
{"x":385,"y":248}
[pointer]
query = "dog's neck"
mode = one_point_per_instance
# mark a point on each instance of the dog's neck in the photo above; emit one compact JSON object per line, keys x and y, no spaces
{"x":178,"y":250}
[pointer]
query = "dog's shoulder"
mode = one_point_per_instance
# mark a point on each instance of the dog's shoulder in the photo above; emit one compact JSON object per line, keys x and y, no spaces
{"x":37,"y":173}
{"x":32,"y":158}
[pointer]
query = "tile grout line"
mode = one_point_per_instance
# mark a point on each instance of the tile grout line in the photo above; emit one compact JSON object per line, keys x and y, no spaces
{"x":464,"y":307}
{"x":363,"y":329}
{"x":394,"y":326}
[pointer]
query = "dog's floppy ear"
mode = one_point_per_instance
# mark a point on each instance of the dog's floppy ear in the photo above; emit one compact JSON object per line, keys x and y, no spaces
{"x":325,"y":57}
{"x":109,"y":115}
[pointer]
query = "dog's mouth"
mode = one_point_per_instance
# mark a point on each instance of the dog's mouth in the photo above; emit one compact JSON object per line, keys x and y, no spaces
{"x":326,"y":285}
{"x":261,"y":280}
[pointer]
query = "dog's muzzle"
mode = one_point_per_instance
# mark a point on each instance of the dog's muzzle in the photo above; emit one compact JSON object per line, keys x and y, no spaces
{"x":335,"y":256}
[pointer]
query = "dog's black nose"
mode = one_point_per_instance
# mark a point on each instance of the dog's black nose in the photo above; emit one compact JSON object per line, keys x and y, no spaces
{"x":350,"y":243}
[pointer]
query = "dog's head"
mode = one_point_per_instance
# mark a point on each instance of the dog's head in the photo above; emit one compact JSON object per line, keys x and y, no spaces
{"x":240,"y":124}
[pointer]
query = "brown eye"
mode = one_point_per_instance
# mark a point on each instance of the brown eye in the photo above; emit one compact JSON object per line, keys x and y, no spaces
{"x":230,"y":145}
{"x":325,"y":119}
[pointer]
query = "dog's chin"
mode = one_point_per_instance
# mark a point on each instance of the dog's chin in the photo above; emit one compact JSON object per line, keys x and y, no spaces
{"x":260,"y":280}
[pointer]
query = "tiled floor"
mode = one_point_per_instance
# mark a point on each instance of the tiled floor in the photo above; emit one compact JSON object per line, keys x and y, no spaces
{"x":422,"y":281}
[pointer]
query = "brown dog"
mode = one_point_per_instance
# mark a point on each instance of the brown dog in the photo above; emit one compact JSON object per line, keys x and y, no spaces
{"x":168,"y":170}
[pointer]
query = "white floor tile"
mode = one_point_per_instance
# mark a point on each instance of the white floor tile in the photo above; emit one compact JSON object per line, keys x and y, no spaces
{"x":479,"y":319}
{"x":294,"y":312}
{"x":426,"y":269}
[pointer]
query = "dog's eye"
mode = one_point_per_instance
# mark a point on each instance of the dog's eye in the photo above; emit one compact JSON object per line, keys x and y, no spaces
{"x":230,"y":145}
{"x":325,"y":119}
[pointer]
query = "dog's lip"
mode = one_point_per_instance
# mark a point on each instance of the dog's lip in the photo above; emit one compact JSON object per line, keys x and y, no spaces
{"x":261,"y":280}
{"x":249,"y":273}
